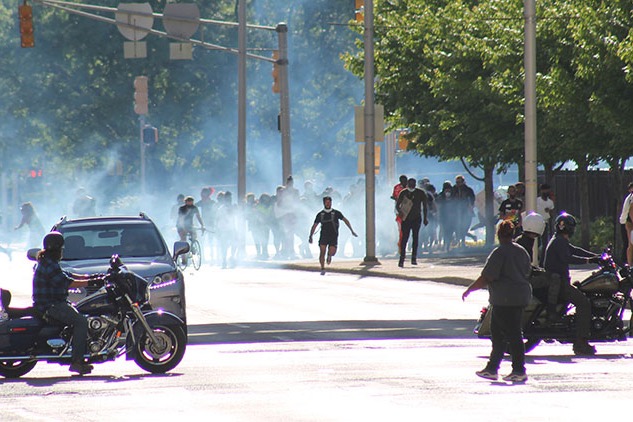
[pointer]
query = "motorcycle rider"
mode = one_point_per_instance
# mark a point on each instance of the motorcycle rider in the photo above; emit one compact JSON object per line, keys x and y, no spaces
{"x":533,"y":226}
{"x":558,"y":255}
{"x":50,"y":293}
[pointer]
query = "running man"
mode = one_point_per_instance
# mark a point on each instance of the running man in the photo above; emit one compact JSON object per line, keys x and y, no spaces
{"x":329,"y":218}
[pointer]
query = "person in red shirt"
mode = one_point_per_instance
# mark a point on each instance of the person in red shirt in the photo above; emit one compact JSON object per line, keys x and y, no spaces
{"x":394,"y":195}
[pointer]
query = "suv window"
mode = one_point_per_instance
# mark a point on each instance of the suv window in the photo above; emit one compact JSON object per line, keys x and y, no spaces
{"x":99,"y":241}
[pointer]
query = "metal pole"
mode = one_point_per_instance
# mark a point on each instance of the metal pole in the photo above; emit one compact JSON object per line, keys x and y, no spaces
{"x":241,"y":113}
{"x":284,"y":100}
{"x":141,"y":120}
{"x":370,"y":141}
{"x":530,"y":106}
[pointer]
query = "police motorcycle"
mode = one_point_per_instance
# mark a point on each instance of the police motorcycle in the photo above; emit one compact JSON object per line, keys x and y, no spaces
{"x":610,"y":292}
{"x":119,"y":322}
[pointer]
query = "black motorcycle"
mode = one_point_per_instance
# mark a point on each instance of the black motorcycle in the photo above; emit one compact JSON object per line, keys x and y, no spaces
{"x":609,"y":291}
{"x":120,"y":321}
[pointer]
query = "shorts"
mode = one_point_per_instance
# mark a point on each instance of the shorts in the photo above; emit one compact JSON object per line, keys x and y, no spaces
{"x":330,"y":240}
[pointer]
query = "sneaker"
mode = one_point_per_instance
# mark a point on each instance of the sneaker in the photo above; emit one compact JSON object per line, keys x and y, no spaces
{"x":487,"y":374}
{"x":81,"y":368}
{"x":414,"y":262}
{"x":401,"y":263}
{"x":515,"y":377}
{"x":322,"y":272}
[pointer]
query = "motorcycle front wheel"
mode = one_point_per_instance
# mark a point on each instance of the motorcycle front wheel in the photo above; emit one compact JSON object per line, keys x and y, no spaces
{"x":16,"y":368}
{"x":166,"y":354}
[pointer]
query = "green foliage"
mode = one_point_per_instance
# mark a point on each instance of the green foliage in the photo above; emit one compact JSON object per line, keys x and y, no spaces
{"x":602,"y":233}
{"x":69,"y":100}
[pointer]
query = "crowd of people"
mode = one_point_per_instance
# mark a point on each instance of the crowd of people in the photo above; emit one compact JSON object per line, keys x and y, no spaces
{"x":277,"y":224}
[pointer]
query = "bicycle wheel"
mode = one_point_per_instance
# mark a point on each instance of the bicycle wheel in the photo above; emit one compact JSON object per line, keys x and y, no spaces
{"x":196,"y":254}
{"x":182,"y":261}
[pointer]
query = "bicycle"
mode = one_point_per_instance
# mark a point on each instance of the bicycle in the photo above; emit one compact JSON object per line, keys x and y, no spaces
{"x":194,"y":255}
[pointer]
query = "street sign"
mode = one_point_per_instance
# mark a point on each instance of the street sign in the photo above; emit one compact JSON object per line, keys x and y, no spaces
{"x":134,"y":20}
{"x":181,"y":20}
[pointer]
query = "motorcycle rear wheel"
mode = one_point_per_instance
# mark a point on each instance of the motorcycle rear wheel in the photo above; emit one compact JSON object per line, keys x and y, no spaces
{"x":164,"y":356}
{"x":16,"y":368}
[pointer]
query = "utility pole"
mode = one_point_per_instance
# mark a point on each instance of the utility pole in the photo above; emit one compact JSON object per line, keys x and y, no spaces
{"x":284,"y":102}
{"x":370,"y":141}
{"x":241,"y":95}
{"x":530,"y":106}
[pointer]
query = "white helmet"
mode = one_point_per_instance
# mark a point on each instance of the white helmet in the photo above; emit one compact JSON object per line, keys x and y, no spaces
{"x":533,"y":223}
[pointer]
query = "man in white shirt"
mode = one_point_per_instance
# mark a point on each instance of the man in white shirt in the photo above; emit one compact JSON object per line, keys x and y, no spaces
{"x":545,"y":207}
{"x":626,"y":218}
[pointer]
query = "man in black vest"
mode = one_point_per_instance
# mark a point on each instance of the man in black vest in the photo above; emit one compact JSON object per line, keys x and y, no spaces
{"x":412,"y":202}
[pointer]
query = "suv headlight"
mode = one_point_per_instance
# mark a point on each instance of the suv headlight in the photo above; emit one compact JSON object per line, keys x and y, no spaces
{"x":164,"y":279}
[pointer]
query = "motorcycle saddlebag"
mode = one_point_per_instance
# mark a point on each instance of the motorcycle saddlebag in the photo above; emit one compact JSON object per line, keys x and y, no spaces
{"x":19,"y":334}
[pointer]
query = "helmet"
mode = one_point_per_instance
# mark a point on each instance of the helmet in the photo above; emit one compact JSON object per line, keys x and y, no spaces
{"x":534,"y":223}
{"x":565,"y":223}
{"x":53,"y":240}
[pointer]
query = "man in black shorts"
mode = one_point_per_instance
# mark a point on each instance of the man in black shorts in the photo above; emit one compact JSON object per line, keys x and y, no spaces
{"x":329,"y":218}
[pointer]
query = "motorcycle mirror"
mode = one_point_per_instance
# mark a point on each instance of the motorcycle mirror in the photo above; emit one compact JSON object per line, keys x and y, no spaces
{"x":31,"y":254}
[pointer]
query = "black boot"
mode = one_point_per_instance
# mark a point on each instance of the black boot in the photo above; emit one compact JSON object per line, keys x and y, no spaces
{"x":401,"y":262}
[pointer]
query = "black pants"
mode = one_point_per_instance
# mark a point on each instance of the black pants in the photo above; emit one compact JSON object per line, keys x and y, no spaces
{"x":505,"y":328}
{"x":411,"y":224}
{"x":570,"y":294}
{"x":65,"y":313}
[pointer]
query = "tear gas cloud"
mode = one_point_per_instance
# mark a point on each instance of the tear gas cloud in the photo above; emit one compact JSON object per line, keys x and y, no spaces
{"x":336,"y":168}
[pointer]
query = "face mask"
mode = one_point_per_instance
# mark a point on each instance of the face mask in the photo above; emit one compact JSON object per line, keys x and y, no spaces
{"x":410,"y":189}
{"x":327,"y":209}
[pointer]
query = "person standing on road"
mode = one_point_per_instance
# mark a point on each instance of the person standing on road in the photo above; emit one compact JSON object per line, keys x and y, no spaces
{"x":464,"y":198}
{"x":412,"y":202}
{"x":329,"y":219}
{"x":506,"y":274}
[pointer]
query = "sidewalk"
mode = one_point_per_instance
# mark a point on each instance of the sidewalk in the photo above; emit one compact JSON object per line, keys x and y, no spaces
{"x":459,"y":268}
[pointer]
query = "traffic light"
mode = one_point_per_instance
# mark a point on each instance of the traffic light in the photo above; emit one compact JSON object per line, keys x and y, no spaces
{"x":150,"y":135}
{"x":25,"y":13}
{"x":140,"y":95}
{"x":360,"y":9}
{"x":276,"y":87}
{"x":403,"y":142}
{"x":35,"y":173}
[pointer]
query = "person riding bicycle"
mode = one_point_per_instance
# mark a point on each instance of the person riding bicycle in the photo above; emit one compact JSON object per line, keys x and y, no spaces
{"x":186,"y":213}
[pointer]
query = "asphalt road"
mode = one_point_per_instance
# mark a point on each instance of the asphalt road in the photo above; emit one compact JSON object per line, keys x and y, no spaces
{"x":271,"y":345}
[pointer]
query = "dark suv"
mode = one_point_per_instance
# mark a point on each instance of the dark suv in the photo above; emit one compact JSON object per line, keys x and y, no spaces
{"x":90,"y":242}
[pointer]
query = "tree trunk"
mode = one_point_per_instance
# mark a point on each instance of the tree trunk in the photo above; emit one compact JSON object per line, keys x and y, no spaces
{"x":490,"y":208}
{"x":583,"y":192}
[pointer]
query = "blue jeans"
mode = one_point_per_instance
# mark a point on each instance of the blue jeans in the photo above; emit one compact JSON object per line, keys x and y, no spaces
{"x":505,"y":328}
{"x":65,"y":313}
